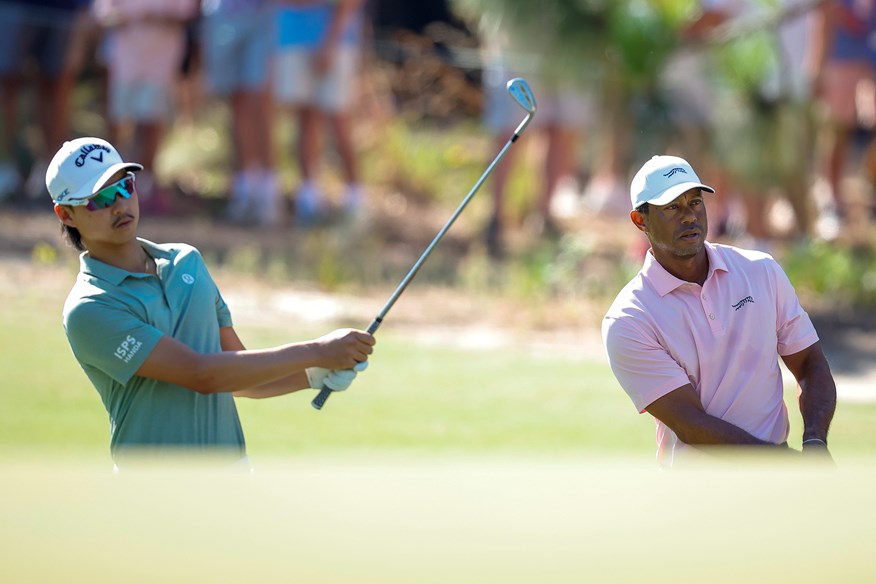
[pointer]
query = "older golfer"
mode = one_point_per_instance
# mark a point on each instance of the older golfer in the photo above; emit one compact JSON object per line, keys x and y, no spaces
{"x":150,"y":329}
{"x":695,"y":337}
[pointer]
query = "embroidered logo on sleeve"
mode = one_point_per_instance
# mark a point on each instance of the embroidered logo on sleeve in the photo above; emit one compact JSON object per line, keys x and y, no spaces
{"x":743,"y":302}
{"x":128,"y":349}
{"x":188,"y":279}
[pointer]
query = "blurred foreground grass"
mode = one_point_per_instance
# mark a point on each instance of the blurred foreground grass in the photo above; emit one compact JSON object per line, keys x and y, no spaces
{"x":441,"y":464}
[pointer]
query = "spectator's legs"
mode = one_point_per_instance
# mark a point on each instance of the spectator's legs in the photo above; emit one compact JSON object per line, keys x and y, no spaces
{"x":10,"y":180}
{"x":245,"y":129}
{"x":498,"y":219}
{"x":838,"y":148}
{"x":559,"y":164}
{"x":341,"y":124}
{"x":147,"y":141}
{"x":54,"y":103}
{"x":308,"y":202}
{"x":10,"y":86}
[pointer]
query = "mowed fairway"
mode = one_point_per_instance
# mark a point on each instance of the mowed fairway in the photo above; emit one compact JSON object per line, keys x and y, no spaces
{"x":441,"y":464}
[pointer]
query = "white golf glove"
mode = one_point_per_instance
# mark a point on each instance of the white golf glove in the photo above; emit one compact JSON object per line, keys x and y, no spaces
{"x":334,"y":379}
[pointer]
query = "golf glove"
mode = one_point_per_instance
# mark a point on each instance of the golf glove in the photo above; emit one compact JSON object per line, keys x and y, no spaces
{"x":334,"y":379}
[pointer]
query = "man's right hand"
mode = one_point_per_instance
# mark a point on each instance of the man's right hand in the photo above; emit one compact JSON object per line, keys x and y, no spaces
{"x":344,"y":348}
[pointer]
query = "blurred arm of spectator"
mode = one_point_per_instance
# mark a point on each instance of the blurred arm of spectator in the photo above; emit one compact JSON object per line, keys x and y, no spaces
{"x":823,"y":26}
{"x":341,"y":17}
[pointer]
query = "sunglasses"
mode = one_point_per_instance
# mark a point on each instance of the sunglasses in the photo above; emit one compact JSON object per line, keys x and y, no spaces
{"x":106,"y":196}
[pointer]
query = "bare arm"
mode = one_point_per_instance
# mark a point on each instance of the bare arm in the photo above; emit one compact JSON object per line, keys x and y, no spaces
{"x":241,"y":370}
{"x":291,"y":383}
{"x":822,"y":25}
{"x":682,"y":410}
{"x":817,"y":391}
{"x":341,"y":16}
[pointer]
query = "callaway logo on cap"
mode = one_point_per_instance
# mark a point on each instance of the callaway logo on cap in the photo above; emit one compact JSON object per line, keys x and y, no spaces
{"x":663,"y":179}
{"x":81,"y":168}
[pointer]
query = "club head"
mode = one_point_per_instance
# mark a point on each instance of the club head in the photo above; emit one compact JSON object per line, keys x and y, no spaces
{"x":519,"y":90}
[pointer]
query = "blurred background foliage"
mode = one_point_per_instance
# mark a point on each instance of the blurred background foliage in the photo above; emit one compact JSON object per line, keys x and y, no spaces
{"x":423,"y":146}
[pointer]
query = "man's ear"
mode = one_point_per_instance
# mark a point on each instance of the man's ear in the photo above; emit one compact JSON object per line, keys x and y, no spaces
{"x":639,"y":220}
{"x":64,"y":215}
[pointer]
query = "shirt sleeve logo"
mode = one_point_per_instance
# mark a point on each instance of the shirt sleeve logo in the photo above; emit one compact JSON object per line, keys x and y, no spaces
{"x":129,"y":347}
{"x":188,"y":279}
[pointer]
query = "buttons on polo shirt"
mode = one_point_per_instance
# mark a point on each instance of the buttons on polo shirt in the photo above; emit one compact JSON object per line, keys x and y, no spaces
{"x":712,"y":316}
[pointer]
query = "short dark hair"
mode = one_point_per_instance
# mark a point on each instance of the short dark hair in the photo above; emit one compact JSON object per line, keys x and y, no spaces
{"x":643,"y":208}
{"x":73,"y":237}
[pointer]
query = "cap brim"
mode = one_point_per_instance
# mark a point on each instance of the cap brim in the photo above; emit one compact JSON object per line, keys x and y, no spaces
{"x":86,"y":192}
{"x":676,"y":191}
{"x":109,"y":172}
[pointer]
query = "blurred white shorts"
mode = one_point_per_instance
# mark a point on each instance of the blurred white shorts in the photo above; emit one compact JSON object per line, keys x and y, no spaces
{"x":141,"y":101}
{"x":296,"y":83}
{"x":569,"y":108}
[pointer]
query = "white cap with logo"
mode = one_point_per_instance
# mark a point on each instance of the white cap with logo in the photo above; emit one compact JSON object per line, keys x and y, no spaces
{"x":81,"y":168}
{"x":663,"y":179}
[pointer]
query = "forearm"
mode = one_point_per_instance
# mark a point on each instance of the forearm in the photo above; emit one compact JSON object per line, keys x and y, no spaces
{"x":269,"y":368}
{"x":229,"y":370}
{"x":341,"y":17}
{"x":706,"y":430}
{"x":817,"y":402}
{"x":683,"y":413}
{"x":290,"y":384}
{"x":817,"y":390}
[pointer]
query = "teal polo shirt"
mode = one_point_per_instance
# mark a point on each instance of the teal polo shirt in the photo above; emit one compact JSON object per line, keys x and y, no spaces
{"x":114,"y":318}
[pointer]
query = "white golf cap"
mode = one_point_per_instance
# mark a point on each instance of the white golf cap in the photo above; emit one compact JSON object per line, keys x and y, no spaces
{"x":81,"y":168}
{"x":663,"y":179}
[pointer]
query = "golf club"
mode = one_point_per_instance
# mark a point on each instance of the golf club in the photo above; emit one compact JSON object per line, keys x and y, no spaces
{"x":519,"y":90}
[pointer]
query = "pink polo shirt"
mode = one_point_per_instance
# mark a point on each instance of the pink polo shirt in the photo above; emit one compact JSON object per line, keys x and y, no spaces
{"x":723,"y":338}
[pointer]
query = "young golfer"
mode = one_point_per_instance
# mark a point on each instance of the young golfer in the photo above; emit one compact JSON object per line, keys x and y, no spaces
{"x":149,"y":327}
{"x":694,"y":339}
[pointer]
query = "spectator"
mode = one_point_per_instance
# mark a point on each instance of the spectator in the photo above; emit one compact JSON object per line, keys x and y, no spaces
{"x":237,"y":43}
{"x":842,"y":65}
{"x":760,"y":139}
{"x":38,"y":31}
{"x":564,"y":111}
{"x":144,"y":48}
{"x":319,"y":48}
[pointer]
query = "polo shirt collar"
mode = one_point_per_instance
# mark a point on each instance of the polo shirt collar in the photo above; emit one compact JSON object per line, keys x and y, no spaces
{"x":664,"y":282}
{"x":112,"y":274}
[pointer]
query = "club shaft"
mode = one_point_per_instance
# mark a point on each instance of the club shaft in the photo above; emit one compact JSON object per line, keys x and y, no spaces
{"x":416,"y":268}
{"x":325,"y":392}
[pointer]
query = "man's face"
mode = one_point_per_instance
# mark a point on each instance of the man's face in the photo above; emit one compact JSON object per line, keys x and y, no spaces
{"x":677,"y":230}
{"x":114,"y":224}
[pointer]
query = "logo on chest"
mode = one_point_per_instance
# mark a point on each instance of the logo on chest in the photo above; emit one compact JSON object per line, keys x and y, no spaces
{"x":743,"y":302}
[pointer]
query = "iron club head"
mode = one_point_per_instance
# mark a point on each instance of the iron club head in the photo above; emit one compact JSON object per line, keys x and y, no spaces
{"x":522,"y":94}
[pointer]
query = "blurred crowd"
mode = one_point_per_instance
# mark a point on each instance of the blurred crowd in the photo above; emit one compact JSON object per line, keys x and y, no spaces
{"x":775,"y":101}
{"x":300,"y":55}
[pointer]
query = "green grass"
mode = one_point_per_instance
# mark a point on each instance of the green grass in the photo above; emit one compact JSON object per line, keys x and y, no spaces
{"x":414,"y":399}
{"x":447,"y":400}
